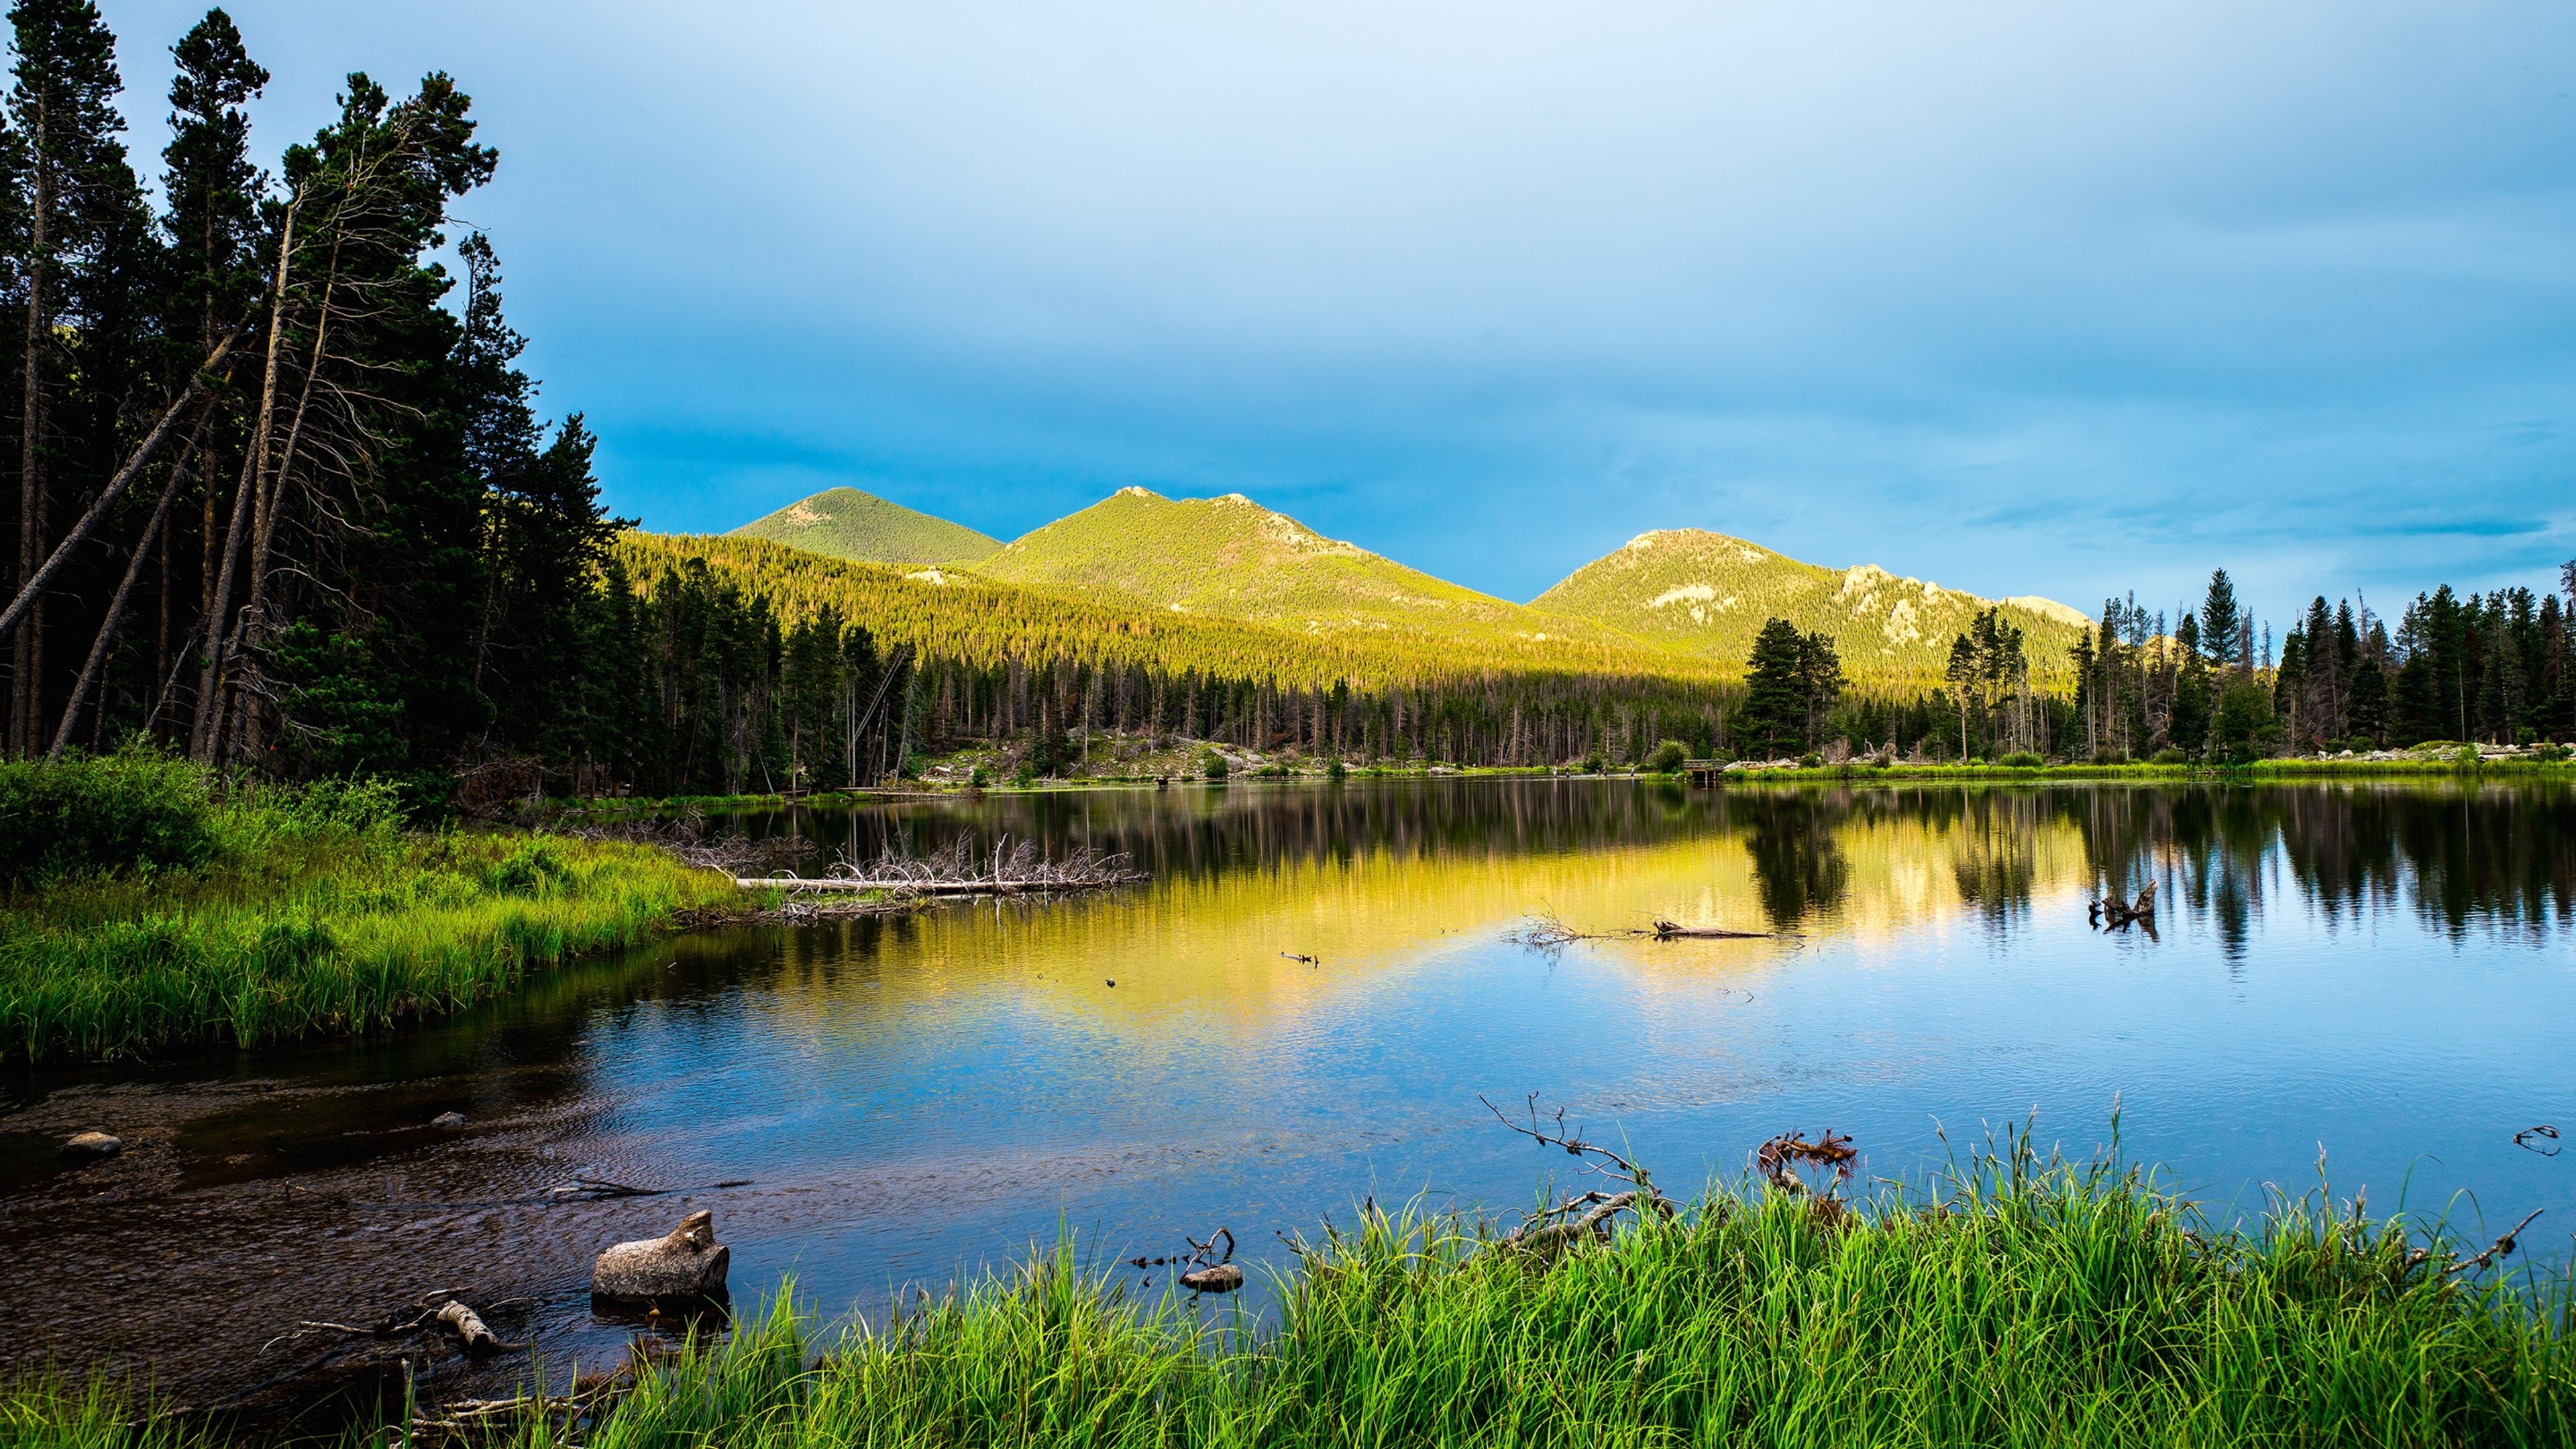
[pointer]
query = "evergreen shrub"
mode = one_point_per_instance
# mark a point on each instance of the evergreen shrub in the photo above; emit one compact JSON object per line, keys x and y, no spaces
{"x":137,"y":809}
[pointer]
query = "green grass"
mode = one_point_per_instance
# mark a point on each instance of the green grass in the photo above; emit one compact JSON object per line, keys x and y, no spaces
{"x":317,"y":913}
{"x":846,"y":523}
{"x":1861,"y":772}
{"x":2017,"y":1302}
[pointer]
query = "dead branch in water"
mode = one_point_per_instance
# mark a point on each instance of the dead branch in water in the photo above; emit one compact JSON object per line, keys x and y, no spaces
{"x":1777,"y":1159}
{"x":2112,"y":914}
{"x":438,"y":1310}
{"x":2502,"y":1247}
{"x":1586,"y":1215}
{"x":1670,"y":931}
{"x":595,"y":1189}
{"x":958,"y":870}
{"x":1544,"y":931}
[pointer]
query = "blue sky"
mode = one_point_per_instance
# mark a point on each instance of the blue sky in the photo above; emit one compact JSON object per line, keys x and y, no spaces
{"x":2024,"y":298}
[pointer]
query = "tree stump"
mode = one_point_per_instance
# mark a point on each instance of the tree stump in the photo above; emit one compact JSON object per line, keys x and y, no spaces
{"x":689,"y":1263}
{"x":1222,"y":1278}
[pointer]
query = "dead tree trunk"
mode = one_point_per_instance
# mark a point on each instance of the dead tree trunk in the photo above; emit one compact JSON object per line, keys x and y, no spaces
{"x":210,"y":683}
{"x":98,"y":651}
{"x":27,"y":659}
{"x":30,"y":592}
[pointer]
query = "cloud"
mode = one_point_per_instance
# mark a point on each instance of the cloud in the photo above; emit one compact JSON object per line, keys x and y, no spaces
{"x":2026,"y":297}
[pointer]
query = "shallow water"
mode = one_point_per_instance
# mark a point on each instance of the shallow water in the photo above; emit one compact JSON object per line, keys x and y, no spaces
{"x":2379,"y":972}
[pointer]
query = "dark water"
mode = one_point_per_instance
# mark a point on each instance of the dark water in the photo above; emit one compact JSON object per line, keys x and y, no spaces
{"x":2383,"y":973}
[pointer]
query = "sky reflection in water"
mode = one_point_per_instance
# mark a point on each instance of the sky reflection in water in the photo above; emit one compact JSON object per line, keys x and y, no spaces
{"x":2382,"y":970}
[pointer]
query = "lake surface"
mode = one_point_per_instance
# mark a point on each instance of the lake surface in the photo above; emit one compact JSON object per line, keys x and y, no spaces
{"x":2382,"y":972}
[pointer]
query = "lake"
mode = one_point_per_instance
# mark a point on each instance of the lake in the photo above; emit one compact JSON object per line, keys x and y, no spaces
{"x":2375,"y":974}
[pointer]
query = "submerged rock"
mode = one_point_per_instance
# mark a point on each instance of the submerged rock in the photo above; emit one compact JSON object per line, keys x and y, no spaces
{"x":91,"y":1146}
{"x":689,"y":1263}
{"x":450,"y":1120}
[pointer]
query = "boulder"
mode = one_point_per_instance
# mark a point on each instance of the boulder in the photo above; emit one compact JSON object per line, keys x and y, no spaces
{"x":689,"y":1263}
{"x":448,"y":1120}
{"x":91,"y":1146}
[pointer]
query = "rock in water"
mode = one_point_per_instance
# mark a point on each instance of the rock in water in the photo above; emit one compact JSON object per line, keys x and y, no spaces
{"x":690,"y":1263}
{"x":1223,"y":1278}
{"x":449,"y":1120}
{"x":90,"y":1146}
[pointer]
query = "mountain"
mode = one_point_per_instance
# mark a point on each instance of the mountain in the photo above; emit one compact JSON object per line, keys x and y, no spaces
{"x":964,"y":617}
{"x":1707,"y":594}
{"x":846,"y":523}
{"x":1230,"y":557}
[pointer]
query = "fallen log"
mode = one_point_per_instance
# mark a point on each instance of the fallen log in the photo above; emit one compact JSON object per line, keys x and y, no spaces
{"x":686,"y":1263}
{"x":1218,"y":1278}
{"x":468,"y":1326}
{"x":1673,"y":931}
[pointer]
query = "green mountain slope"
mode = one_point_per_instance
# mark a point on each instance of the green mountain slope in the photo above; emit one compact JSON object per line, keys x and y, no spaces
{"x":1232,"y":558}
{"x":846,"y":523}
{"x":954,"y":615}
{"x":1707,"y":594}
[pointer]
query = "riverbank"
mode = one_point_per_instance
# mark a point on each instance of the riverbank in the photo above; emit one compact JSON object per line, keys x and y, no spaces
{"x":2022,"y":1302}
{"x":207,"y":917}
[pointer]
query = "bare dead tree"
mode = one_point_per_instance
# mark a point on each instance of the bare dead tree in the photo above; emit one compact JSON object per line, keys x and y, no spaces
{"x":98,"y":650}
{"x":1589,"y":1215}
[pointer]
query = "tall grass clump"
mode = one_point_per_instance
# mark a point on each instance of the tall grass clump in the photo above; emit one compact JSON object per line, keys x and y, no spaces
{"x":49,"y":1412}
{"x":2014,"y":1302}
{"x":2018,"y":1302}
{"x":294,"y":911}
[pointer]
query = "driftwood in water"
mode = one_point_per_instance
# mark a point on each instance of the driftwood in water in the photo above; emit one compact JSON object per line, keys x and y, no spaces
{"x":2113,"y":914}
{"x":1221,"y":1278}
{"x":1672,"y":931}
{"x":910,"y":885}
{"x":1544,"y":932}
{"x":958,"y":871}
{"x":468,"y":1326}
{"x":686,"y":1263}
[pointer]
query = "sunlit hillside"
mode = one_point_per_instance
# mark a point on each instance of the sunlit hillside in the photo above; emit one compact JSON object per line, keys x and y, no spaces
{"x":846,"y":523}
{"x":1231,"y":557}
{"x":1707,"y":594}
{"x":985,"y":622}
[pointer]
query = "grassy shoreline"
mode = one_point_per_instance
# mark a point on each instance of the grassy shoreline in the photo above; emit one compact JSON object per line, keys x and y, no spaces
{"x":2018,"y":1302}
{"x":2260,"y":772}
{"x":316,"y":912}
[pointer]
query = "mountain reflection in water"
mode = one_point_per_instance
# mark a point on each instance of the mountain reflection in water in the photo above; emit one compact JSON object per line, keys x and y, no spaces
{"x":2380,"y":970}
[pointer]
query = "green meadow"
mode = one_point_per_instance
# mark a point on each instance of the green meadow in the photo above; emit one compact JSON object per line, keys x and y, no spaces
{"x":150,"y":906}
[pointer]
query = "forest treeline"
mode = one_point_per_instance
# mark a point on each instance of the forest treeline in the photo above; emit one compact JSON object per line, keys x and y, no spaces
{"x":286,"y":504}
{"x":284,"y":501}
{"x":2492,"y":669}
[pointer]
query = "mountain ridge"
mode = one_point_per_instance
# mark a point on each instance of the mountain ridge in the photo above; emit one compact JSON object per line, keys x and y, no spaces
{"x":1694,"y":595}
{"x":1706,"y":593}
{"x":846,"y":523}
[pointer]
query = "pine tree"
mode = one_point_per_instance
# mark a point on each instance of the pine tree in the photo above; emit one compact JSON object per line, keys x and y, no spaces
{"x":213,"y":193}
{"x":2220,"y":619}
{"x":79,"y":244}
{"x":1773,"y":721}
